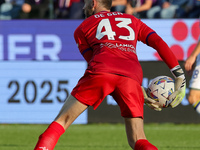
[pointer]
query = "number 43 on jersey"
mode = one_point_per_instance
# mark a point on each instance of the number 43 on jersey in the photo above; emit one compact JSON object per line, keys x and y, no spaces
{"x":121,"y":23}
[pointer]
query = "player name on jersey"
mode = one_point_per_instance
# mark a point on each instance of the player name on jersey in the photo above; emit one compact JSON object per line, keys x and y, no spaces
{"x":108,"y":14}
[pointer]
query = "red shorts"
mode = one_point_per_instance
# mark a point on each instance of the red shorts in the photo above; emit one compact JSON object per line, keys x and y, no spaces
{"x":92,"y":88}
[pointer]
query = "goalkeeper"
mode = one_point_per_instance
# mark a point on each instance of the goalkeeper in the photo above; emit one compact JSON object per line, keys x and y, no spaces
{"x":107,"y":40}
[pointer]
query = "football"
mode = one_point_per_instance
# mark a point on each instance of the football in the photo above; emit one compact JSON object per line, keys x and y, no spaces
{"x":159,"y":89}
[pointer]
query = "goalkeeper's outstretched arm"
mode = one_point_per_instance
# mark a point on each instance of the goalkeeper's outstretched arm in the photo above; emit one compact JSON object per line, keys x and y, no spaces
{"x":169,"y":58}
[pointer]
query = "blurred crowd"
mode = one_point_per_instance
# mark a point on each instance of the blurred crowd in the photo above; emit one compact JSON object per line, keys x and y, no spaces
{"x":73,"y":9}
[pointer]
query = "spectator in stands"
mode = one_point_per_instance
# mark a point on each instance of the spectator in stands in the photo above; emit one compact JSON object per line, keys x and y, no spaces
{"x":69,"y":9}
{"x":61,"y":9}
{"x":139,"y":8}
{"x":119,"y":5}
{"x":35,"y":9}
{"x":167,"y":9}
{"x":190,"y":10}
{"x":10,"y":9}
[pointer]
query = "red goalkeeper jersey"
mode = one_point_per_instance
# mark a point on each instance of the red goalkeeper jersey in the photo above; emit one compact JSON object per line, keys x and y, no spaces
{"x":107,"y":40}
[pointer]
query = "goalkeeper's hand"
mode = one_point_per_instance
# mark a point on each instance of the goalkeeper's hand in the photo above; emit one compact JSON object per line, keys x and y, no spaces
{"x":180,"y":85}
{"x":150,"y":102}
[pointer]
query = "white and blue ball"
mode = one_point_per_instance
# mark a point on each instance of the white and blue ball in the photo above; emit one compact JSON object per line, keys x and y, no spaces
{"x":159,"y":89}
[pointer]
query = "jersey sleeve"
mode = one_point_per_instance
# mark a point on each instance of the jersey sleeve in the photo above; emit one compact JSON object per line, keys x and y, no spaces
{"x":152,"y":39}
{"x":144,"y":32}
{"x":163,"y":50}
{"x":82,"y":44}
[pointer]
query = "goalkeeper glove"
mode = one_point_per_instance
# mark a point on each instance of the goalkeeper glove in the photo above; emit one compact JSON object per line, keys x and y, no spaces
{"x":150,"y":102}
{"x":180,"y":85}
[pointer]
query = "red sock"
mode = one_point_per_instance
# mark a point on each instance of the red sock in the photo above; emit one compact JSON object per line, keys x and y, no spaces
{"x":48,"y":140}
{"x":143,"y":144}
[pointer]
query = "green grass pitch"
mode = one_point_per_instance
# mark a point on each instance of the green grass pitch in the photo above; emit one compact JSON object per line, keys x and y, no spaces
{"x":102,"y":137}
